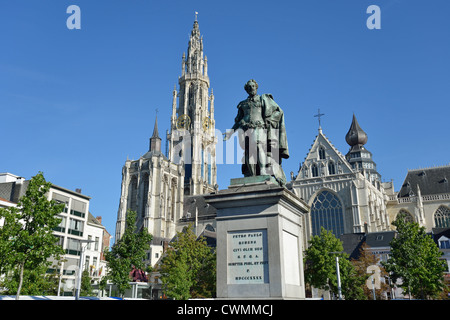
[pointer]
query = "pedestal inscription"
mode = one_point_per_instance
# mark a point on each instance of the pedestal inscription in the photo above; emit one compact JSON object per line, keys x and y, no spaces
{"x":247,"y":257}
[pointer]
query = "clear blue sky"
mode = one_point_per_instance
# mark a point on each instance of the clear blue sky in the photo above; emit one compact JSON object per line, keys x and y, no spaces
{"x":75,"y":103}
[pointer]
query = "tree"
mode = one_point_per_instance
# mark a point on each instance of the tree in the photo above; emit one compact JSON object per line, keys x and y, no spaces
{"x":35,"y":282}
{"x":26,"y":238}
{"x":320,"y":266}
{"x":86,"y":285}
{"x":188,"y":270}
{"x":414,"y":259}
{"x":365,"y":260}
{"x":128,"y":252}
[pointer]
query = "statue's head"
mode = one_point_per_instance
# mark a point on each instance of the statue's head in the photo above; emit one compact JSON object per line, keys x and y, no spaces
{"x":251,"y":87}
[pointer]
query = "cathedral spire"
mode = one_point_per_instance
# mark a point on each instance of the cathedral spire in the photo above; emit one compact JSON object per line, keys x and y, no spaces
{"x":195,"y":112}
{"x":155,"y":140}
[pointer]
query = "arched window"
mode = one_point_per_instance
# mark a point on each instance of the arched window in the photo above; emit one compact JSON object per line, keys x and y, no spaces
{"x":145,"y":194}
{"x":132,"y":194}
{"x":442,"y":217}
{"x":314,"y":170}
{"x":405,"y":215}
{"x":331,"y":168}
{"x":327,"y":212}
{"x":321,"y":153}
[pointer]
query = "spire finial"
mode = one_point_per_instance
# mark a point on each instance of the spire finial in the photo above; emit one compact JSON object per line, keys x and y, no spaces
{"x":196,"y":13}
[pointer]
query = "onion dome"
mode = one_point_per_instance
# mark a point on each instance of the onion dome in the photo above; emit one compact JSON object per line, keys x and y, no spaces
{"x":355,"y":135}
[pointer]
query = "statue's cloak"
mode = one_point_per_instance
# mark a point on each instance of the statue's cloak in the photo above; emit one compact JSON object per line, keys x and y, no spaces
{"x":274,"y":120}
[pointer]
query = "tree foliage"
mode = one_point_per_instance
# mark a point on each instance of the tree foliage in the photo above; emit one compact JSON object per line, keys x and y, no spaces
{"x":128,"y":252}
{"x":26,"y":238}
{"x":415,"y":261}
{"x":86,"y":284}
{"x":365,"y":260}
{"x":320,"y":266}
{"x":188,"y":269}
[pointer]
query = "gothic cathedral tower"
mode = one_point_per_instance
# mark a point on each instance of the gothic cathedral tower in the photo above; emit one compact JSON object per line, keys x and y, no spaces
{"x":192,"y":140}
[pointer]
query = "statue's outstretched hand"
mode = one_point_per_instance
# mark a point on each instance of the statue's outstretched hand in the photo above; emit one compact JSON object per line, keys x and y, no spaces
{"x":227,"y":135}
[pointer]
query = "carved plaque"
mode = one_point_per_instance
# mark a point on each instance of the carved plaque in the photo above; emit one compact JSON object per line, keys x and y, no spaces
{"x":247,"y":257}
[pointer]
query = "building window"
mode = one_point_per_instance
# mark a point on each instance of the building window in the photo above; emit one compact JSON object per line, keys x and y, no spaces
{"x":444,"y":243}
{"x":76,"y":227}
{"x":97,"y":241}
{"x":88,"y":246}
{"x":145,"y":194}
{"x":86,"y":263}
{"x":132,"y":194}
{"x":73,"y":246}
{"x":442,"y":217}
{"x":321,"y":153}
{"x":331,"y":168}
{"x":62,"y":225}
{"x":314,"y":170}
{"x":327,"y":212}
{"x":403,"y":214}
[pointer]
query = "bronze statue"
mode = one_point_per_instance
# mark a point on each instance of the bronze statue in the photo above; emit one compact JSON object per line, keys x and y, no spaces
{"x":262,"y":134}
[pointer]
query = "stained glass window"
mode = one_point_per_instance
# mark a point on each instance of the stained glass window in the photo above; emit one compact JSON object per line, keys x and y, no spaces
{"x":327,"y":212}
{"x":442,"y":217}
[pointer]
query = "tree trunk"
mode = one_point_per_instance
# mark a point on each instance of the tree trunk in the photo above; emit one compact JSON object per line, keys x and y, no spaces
{"x":22,"y":266}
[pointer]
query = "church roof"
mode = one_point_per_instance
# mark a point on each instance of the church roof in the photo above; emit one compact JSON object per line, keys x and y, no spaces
{"x":433,"y":180}
{"x":154,"y":153}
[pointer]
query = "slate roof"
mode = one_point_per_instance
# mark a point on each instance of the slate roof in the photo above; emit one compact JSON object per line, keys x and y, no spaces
{"x":380,"y":239}
{"x":93,"y":220}
{"x":204,"y":210}
{"x":430,"y":181}
{"x":437,"y":233}
{"x":352,"y":243}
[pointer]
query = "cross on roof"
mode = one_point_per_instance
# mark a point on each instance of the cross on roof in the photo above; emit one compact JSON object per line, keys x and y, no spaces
{"x":318,"y":115}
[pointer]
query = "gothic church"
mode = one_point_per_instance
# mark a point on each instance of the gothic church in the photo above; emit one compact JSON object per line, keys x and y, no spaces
{"x":345,"y":192}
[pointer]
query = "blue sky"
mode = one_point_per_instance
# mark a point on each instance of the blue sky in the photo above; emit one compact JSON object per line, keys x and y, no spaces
{"x":76,"y":103}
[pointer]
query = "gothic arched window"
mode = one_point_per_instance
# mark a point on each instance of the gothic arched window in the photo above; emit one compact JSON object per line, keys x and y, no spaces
{"x":132,"y":194}
{"x":331,"y":168}
{"x":145,"y":194}
{"x":327,"y":212}
{"x":321,"y":153}
{"x":442,"y":217}
{"x":314,"y":170}
{"x":405,"y":215}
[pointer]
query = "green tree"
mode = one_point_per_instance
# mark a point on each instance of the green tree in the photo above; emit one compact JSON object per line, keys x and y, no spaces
{"x":26,"y":238}
{"x":35,"y":282}
{"x":414,"y":259}
{"x":129,"y":251}
{"x":86,"y":284}
{"x":188,"y":269}
{"x":320,"y":267}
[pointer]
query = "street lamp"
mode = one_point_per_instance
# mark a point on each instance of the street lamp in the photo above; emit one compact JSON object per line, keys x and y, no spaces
{"x":338,"y":273}
{"x":80,"y":268}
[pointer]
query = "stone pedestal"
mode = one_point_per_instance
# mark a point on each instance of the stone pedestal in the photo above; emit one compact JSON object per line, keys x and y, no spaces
{"x":259,"y":241}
